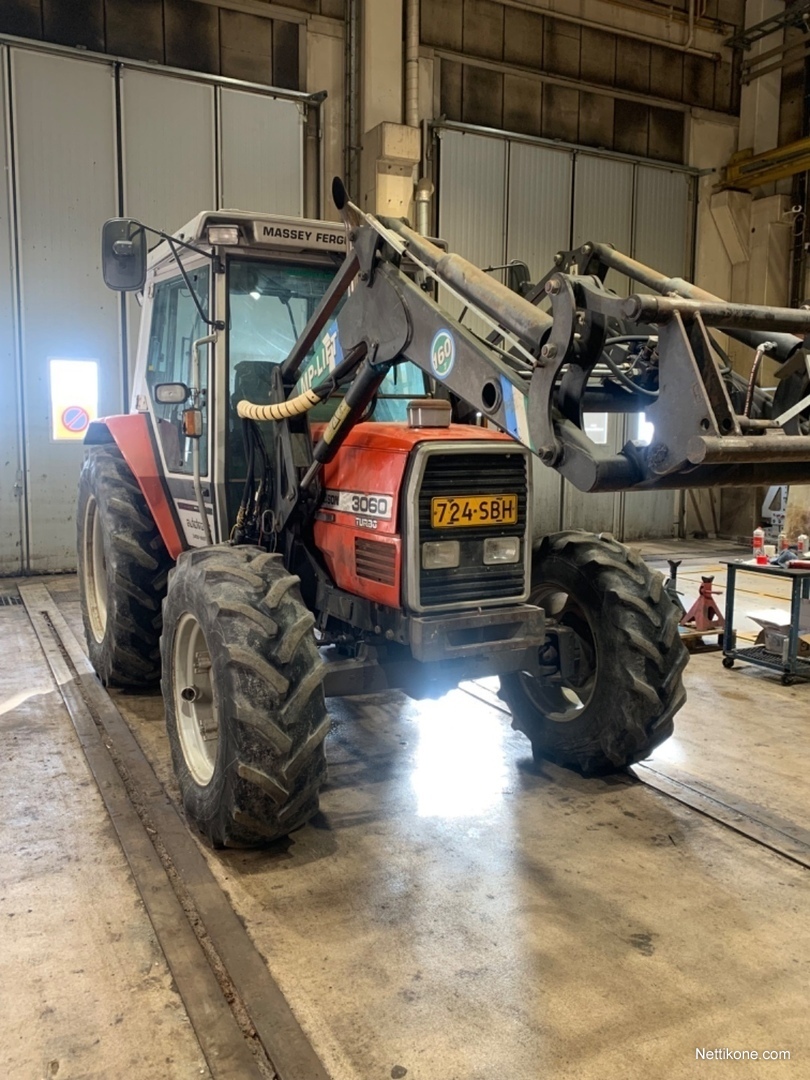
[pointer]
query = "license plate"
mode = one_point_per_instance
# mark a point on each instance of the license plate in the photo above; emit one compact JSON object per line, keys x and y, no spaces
{"x":451,"y":513}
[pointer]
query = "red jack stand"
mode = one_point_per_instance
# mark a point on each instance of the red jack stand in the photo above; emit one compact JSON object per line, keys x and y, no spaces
{"x":704,"y":615}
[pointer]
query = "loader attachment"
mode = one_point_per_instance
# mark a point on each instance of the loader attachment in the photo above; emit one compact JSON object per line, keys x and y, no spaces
{"x":535,"y":375}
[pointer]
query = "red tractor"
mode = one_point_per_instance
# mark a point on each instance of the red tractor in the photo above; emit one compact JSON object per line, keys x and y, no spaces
{"x":288,"y":511}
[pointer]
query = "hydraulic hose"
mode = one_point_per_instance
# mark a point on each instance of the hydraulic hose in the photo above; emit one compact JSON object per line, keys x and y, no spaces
{"x":283,"y":411}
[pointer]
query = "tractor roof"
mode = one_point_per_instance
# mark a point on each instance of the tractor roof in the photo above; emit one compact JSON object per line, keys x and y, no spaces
{"x":257,"y":230}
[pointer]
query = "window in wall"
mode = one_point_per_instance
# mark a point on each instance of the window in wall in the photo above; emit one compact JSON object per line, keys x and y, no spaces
{"x":74,"y":398}
{"x":644,"y":429}
{"x":596,"y":427}
{"x":176,"y":325}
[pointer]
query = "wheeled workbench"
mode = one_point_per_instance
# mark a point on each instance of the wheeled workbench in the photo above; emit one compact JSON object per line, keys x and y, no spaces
{"x":790,"y":664}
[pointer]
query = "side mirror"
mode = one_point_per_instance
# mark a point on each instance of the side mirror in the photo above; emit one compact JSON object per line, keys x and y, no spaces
{"x":172,"y":393}
{"x":123,"y":254}
{"x":518,"y":277}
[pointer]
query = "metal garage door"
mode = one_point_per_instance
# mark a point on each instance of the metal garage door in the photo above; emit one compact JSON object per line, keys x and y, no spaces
{"x":662,"y":237}
{"x":66,"y":185}
{"x":93,"y":139}
{"x":538,"y":224}
{"x":262,"y":153}
{"x":169,"y":172}
{"x":503,"y":198}
{"x":11,"y":462}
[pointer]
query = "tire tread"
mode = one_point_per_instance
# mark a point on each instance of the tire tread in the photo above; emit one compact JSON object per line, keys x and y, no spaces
{"x":267,"y":674}
{"x":642,"y":663}
{"x":138,"y":566}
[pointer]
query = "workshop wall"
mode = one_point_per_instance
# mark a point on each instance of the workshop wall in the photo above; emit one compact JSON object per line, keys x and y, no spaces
{"x":505,"y":66}
{"x":180,"y":33}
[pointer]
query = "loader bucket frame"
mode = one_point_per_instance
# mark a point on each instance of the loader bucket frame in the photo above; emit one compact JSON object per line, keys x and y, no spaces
{"x":531,"y":376}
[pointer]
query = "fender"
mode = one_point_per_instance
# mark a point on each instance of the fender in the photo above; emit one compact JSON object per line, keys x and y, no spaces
{"x":132,"y":435}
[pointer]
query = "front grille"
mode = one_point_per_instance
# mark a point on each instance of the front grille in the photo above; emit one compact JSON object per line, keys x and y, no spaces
{"x":375,"y":561}
{"x":472,"y":474}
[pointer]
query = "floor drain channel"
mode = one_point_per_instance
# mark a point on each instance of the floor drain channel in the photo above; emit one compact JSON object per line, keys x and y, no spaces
{"x":11,"y":601}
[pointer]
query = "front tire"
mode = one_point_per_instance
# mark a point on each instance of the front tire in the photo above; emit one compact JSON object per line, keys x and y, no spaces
{"x":245,"y":710}
{"x":628,"y":683}
{"x":123,"y":567}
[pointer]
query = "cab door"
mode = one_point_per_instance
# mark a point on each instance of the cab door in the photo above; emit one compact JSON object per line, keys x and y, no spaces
{"x":174,"y":326}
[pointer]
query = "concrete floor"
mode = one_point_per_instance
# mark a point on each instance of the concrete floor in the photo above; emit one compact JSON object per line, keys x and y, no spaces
{"x":84,"y":987}
{"x":454,"y":911}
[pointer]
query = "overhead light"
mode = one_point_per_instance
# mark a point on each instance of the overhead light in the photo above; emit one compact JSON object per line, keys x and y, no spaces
{"x":223,"y":234}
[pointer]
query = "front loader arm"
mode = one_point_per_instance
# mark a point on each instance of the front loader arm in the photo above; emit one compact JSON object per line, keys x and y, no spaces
{"x":530,"y":376}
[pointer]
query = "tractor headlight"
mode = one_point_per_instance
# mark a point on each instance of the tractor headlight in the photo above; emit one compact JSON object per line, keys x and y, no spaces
{"x":440,"y":554}
{"x":501,"y":549}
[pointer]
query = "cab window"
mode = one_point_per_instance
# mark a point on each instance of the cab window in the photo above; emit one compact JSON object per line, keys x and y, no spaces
{"x":270,"y":304}
{"x":176,"y":325}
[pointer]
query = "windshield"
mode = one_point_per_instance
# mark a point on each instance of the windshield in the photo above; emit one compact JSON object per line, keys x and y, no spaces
{"x":269,"y":306}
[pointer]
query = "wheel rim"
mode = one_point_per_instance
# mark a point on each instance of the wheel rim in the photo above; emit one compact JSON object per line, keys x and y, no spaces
{"x":194,"y":704}
{"x":95,"y":570}
{"x":564,"y":700}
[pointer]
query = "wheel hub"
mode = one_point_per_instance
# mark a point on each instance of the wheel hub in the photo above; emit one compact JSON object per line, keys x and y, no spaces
{"x":95,"y":570}
{"x":195,"y":704}
{"x":562,"y":697}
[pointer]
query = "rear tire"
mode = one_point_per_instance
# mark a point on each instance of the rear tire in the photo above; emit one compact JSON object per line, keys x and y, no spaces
{"x":242,"y":687}
{"x":630,"y":677}
{"x":123,"y":567}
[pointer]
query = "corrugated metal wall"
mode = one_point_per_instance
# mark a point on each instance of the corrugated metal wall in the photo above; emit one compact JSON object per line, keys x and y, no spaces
{"x":540,"y":193}
{"x":11,"y":458}
{"x":93,"y":139}
{"x":478,"y":220}
{"x":501,"y":198}
{"x":663,"y":232}
{"x":260,"y":152}
{"x":603,"y":210}
{"x":66,"y":183}
{"x":168,"y":154}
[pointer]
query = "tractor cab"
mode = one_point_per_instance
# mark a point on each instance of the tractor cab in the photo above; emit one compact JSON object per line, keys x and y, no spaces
{"x":223,"y":300}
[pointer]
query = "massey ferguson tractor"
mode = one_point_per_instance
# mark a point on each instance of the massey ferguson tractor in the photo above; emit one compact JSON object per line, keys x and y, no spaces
{"x":290,"y":511}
